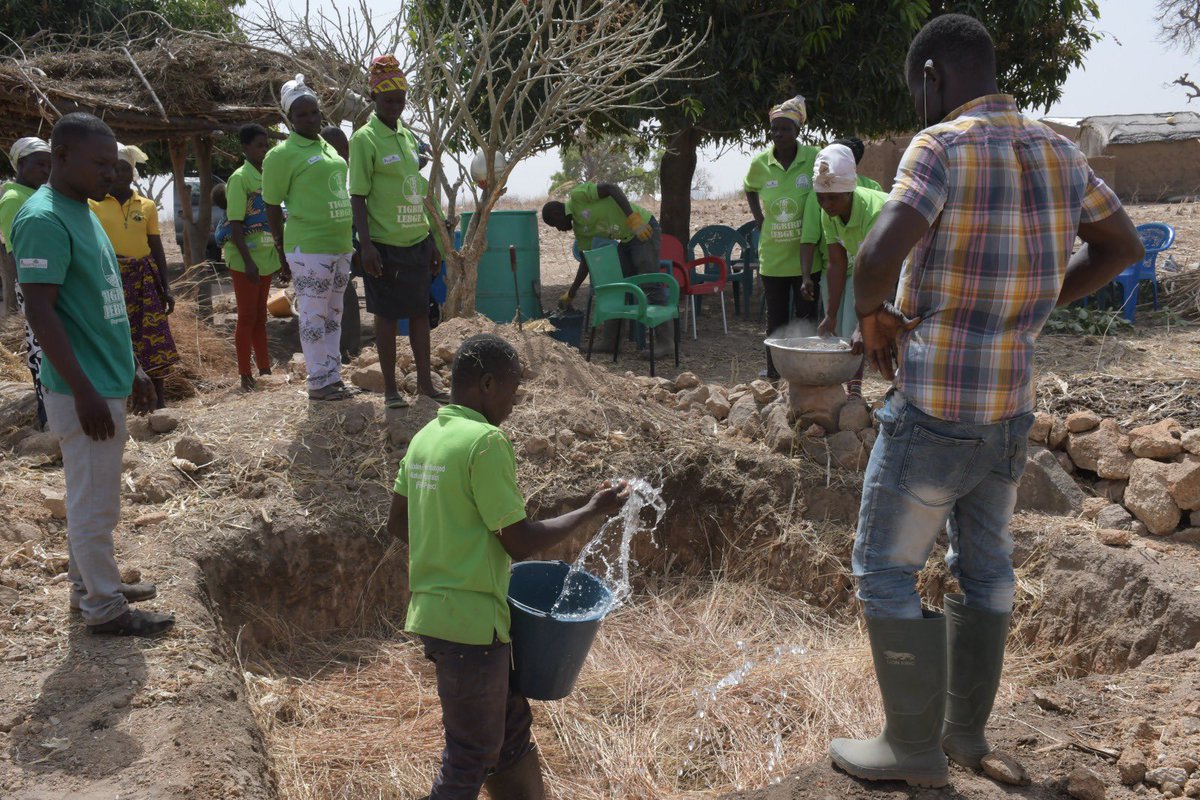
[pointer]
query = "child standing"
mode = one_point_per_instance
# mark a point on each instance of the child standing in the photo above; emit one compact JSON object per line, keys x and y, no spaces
{"x":458,"y":506}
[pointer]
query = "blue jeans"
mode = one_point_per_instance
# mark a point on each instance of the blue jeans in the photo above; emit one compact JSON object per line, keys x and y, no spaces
{"x":926,"y":474}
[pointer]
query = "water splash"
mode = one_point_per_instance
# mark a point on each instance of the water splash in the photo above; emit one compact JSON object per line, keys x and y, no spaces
{"x":615,"y":576}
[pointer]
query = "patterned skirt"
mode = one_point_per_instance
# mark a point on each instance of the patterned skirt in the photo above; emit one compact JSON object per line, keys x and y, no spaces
{"x":153,"y":345}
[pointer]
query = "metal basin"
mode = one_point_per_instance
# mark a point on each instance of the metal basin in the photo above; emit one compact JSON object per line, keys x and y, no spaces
{"x":814,"y":360}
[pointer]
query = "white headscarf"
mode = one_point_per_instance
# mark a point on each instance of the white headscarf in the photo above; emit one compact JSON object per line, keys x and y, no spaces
{"x":834,"y":170}
{"x":132,"y":155}
{"x":27,"y":145}
{"x":292,"y":91}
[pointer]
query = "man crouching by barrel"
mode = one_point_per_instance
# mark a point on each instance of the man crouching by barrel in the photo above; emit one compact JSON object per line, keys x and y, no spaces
{"x":458,"y":507}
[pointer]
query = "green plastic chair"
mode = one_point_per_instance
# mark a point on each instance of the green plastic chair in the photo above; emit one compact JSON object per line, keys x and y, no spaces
{"x":617,"y":297}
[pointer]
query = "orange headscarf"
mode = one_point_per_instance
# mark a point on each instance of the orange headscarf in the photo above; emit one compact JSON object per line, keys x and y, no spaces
{"x":385,"y":75}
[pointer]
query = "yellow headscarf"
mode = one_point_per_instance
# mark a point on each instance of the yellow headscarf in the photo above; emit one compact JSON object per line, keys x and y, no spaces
{"x":794,"y":109}
{"x":385,"y":75}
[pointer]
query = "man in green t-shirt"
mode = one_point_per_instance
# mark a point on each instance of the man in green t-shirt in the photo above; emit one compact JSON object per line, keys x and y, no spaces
{"x":76,"y":305}
{"x":601,"y":210}
{"x":458,"y":506}
{"x":30,"y":158}
{"x":399,"y":258}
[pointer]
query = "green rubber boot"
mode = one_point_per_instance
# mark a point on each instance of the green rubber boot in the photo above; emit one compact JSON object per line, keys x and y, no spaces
{"x":975,"y":655}
{"x":910,"y":665}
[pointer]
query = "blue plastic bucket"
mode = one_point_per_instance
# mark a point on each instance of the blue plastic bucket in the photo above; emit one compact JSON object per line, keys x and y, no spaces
{"x":548,"y":652}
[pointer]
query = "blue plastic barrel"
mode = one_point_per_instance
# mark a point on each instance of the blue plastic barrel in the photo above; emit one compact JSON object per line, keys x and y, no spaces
{"x":548,"y":652}
{"x":495,"y":294}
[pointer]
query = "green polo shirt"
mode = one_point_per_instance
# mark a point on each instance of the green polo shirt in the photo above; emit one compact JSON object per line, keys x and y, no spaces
{"x":384,"y":169}
{"x":460,"y":478}
{"x":869,"y":183}
{"x":864,"y":210}
{"x":593,"y":215}
{"x":245,"y":182}
{"x":309,"y":177}
{"x":791,"y":216}
{"x":57,"y":240}
{"x":12,"y":197}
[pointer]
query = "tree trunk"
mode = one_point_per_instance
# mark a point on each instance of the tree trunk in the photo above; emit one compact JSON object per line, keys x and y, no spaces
{"x":183,"y":194}
{"x":675,"y":180}
{"x":203,"y":147}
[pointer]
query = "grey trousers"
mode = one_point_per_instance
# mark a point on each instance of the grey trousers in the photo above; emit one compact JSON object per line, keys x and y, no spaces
{"x":93,"y":473}
{"x":641,"y":258}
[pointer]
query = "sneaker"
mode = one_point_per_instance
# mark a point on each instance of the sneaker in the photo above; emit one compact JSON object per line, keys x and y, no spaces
{"x":134,"y":593}
{"x":135,"y":623}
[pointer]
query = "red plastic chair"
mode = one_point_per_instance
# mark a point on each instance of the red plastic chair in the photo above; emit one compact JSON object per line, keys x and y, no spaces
{"x":691,"y":283}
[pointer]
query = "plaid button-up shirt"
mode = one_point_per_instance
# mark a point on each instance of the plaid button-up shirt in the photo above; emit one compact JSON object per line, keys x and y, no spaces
{"x":1004,"y":196}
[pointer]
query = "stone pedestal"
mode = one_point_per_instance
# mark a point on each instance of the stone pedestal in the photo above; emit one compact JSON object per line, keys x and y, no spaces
{"x":816,"y":404}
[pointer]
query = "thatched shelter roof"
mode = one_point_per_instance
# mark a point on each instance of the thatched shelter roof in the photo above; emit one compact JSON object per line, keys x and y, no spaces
{"x":187,"y":85}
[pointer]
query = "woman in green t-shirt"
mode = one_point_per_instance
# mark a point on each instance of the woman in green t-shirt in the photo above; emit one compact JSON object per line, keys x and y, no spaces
{"x":308,"y":175}
{"x":848,"y":212}
{"x":779,"y":191}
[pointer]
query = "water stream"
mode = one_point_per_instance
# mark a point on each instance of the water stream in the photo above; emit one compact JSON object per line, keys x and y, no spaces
{"x":615,"y":566}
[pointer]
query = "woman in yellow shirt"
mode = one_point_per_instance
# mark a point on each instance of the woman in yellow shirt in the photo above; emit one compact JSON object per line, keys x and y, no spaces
{"x":131,"y":222}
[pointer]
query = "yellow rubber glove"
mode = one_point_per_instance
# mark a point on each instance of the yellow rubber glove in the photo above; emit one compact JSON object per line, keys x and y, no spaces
{"x":641,"y":229}
{"x":565,"y":301}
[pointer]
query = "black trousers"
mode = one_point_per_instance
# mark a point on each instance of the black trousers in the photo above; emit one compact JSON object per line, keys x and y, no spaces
{"x":486,"y":723}
{"x":782,"y":296}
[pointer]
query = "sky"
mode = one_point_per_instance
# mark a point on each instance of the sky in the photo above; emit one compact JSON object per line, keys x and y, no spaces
{"x":1127,"y":72}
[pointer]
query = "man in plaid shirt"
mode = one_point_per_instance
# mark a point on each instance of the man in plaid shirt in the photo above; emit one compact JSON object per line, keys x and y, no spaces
{"x":986,"y":206}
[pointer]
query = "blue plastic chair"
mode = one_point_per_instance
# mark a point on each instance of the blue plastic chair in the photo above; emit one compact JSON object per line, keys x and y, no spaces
{"x":721,"y":241}
{"x":1156,"y":237}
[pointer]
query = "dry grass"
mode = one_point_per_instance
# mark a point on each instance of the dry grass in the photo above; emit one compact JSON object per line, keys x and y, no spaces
{"x":648,"y":718}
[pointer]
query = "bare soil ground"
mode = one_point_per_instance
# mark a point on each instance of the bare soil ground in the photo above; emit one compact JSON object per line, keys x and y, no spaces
{"x":287,"y":677}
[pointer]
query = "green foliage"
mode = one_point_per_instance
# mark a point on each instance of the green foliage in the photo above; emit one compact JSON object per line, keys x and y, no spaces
{"x":623,"y":160}
{"x":25,"y":18}
{"x":847,"y":59}
{"x":1086,"y":321}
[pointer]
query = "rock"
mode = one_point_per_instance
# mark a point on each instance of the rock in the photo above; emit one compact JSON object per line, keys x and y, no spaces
{"x":446,"y":353}
{"x":369,"y":378}
{"x":763,"y":392}
{"x":564,"y":439}
{"x":131,"y":575}
{"x":1114,"y":516}
{"x":537,"y":445}
{"x":868,"y":438}
{"x":1194,"y":519}
{"x":1114,"y":537}
{"x":1184,"y":483}
{"x":190,"y":448}
{"x":164,"y":420}
{"x":1102,"y":450}
{"x":1139,"y":528}
{"x":1160,"y":440}
{"x":779,"y":435}
{"x":1092,"y":506}
{"x":1192,"y":788}
{"x":1190,"y":441}
{"x":139,"y":429}
{"x":1039,"y":432}
{"x":18,"y":404}
{"x":1085,"y":784}
{"x":1001,"y":767}
{"x":743,"y":416}
{"x":1187,"y":763}
{"x":1171,"y":789}
{"x":403,"y":423}
{"x":854,"y":416}
{"x":1131,"y":766}
{"x":698,"y":395}
{"x":717,"y":406}
{"x":848,"y":451}
{"x":815,"y":431}
{"x":1112,"y":489}
{"x":19,"y":532}
{"x":1081,"y":421}
{"x":153,"y":518}
{"x":686,"y":380}
{"x":42,"y":445}
{"x":1187,"y":536}
{"x":1160,"y":776}
{"x":1065,"y":461}
{"x":355,"y":417}
{"x":819,"y":404}
{"x":1058,"y":434}
{"x":55,"y":502}
{"x":1148,"y":496}
{"x":1046,"y":487}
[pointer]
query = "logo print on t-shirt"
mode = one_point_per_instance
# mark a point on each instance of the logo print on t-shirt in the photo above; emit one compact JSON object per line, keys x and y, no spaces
{"x":785,"y":209}
{"x":803,"y":181}
{"x":337,"y":184}
{"x":412,"y":190}
{"x":113,"y":279}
